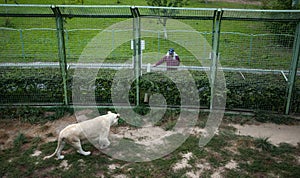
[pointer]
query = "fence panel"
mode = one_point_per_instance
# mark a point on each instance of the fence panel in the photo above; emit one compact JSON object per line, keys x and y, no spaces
{"x":11,"y":44}
{"x":30,"y":72}
{"x":248,"y":44}
{"x":262,"y":60}
{"x":255,"y":52}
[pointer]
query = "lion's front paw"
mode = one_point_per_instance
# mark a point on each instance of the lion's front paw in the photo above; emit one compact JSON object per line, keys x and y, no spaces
{"x":85,"y":153}
{"x":61,"y":157}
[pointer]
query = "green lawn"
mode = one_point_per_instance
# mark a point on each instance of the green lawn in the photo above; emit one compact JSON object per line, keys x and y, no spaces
{"x":29,"y":43}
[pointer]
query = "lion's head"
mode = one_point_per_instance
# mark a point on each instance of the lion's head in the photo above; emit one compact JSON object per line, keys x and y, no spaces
{"x":114,"y":117}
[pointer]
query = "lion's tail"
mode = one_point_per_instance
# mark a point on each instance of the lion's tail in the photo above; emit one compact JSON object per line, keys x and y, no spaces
{"x":56,"y":150}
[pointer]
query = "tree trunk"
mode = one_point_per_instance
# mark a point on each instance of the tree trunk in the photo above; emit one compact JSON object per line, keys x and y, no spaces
{"x":165,"y":28}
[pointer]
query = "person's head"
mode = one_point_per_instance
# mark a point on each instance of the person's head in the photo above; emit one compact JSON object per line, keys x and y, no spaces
{"x":171,"y":51}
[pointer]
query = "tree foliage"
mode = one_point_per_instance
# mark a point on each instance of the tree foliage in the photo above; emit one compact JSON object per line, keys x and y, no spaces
{"x":166,"y":12}
{"x":167,"y":3}
{"x":278,"y":4}
{"x":73,"y":2}
{"x":15,"y":1}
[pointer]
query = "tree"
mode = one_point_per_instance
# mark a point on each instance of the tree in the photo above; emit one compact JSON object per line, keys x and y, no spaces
{"x":15,"y":1}
{"x":278,"y":4}
{"x":73,"y":2}
{"x":166,"y":12}
{"x":7,"y":22}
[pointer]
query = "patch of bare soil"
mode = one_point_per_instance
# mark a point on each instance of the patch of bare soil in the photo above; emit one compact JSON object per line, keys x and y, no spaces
{"x":145,"y":136}
{"x":184,"y":162}
{"x":276,"y":133}
{"x":10,"y":129}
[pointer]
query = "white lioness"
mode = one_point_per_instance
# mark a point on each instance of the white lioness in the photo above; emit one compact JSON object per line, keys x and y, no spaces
{"x":94,"y":129}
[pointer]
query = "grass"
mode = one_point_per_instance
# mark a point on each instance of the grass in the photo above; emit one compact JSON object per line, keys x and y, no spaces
{"x":273,"y":118}
{"x":250,"y":162}
{"x":33,"y":115}
{"x":246,"y":50}
{"x":19,"y":141}
{"x":20,"y":50}
{"x":252,"y":157}
{"x":263,"y":144}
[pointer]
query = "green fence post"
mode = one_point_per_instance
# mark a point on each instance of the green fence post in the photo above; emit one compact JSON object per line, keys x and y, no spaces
{"x":137,"y":50}
{"x":113,"y":41}
{"x":66,"y":43}
{"x":158,"y":45}
{"x":251,"y":46}
{"x":61,"y":49}
{"x":22,"y":43}
{"x":204,"y":47}
{"x":293,"y":69}
{"x":215,"y":53}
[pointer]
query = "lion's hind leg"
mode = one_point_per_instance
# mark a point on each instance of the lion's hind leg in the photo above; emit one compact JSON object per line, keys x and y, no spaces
{"x":61,"y":145}
{"x":76,"y":143}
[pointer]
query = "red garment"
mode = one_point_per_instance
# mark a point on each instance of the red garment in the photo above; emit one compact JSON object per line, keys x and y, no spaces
{"x":170,"y":61}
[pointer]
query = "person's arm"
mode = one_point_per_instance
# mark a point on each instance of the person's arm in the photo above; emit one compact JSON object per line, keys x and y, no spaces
{"x":160,"y":61}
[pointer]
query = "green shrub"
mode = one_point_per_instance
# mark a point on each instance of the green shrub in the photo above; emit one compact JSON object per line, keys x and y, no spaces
{"x":36,"y":86}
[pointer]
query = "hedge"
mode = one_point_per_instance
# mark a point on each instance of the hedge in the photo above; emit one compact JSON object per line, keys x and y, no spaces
{"x":35,"y":85}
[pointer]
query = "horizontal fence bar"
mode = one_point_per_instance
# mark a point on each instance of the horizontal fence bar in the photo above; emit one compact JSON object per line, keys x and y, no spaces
{"x":144,"y":66}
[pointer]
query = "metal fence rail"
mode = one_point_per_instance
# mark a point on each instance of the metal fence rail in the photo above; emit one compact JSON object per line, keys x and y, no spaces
{"x":249,"y":43}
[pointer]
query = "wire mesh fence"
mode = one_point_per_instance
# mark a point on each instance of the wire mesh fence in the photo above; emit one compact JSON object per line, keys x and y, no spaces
{"x":254,"y":48}
{"x":252,"y":45}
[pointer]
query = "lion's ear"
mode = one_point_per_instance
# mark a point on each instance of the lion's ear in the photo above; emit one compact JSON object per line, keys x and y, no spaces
{"x":108,"y":112}
{"x":118,"y":115}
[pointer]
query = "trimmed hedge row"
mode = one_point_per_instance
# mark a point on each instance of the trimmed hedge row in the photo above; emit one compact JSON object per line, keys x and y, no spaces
{"x":30,"y":86}
{"x":255,"y":92}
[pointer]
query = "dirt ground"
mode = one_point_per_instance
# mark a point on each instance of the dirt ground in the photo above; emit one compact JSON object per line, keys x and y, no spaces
{"x":276,"y":133}
{"x":9,"y":130}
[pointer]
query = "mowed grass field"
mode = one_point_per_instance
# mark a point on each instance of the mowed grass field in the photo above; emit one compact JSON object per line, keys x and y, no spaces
{"x":251,"y":44}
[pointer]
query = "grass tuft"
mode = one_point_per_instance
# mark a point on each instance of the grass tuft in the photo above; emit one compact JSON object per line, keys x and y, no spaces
{"x":19,"y":141}
{"x":263,"y":144}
